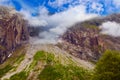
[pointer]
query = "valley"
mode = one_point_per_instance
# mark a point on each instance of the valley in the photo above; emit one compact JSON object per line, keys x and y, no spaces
{"x":27,"y":52}
{"x":30,"y":50}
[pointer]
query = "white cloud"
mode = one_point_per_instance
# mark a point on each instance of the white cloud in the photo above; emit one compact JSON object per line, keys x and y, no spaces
{"x":6,"y":3}
{"x":35,"y":21}
{"x":59,"y":22}
{"x":111,"y":28}
{"x":68,"y":18}
{"x":97,"y":7}
{"x":59,"y":3}
{"x":116,"y":2}
{"x":4,"y":0}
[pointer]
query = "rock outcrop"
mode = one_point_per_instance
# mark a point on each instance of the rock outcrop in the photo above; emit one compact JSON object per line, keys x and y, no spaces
{"x":85,"y":41}
{"x":13,"y":31}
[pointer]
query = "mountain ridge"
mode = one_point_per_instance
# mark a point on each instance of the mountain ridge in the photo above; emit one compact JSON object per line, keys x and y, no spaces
{"x":84,"y":39}
{"x":72,"y":58}
{"x":12,"y":32}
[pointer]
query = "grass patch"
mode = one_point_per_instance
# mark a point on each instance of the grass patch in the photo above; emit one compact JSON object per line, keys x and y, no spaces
{"x":15,"y":56}
{"x":12,"y":62}
{"x":54,"y":70}
{"x":19,"y":76}
{"x":32,"y":65}
{"x":90,"y":26}
{"x":60,"y":72}
{"x":40,"y":55}
{"x":4,"y":70}
{"x":50,"y":58}
{"x":18,"y":61}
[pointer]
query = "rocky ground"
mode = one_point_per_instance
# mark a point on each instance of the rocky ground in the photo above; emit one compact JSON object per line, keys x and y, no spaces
{"x":32,"y":49}
{"x":85,"y":41}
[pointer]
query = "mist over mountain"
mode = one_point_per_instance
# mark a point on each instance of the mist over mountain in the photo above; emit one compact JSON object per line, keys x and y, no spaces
{"x":59,"y":39}
{"x":65,"y":13}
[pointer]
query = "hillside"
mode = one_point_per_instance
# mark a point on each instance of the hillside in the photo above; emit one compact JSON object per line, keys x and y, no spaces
{"x":13,"y":32}
{"x":33,"y":62}
{"x":73,"y":58}
{"x":85,"y":40}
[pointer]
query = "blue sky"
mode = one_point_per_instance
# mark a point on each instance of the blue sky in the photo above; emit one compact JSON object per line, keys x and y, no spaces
{"x":102,"y":7}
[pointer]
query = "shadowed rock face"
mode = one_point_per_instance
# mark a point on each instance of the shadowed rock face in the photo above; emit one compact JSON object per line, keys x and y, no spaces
{"x":13,"y":31}
{"x":84,"y":40}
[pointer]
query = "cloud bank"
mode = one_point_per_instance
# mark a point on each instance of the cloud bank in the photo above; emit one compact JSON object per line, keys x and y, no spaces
{"x":57,"y":23}
{"x":111,"y":28}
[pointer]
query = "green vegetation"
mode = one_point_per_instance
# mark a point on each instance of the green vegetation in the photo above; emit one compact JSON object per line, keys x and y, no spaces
{"x":54,"y":70}
{"x":91,"y":26}
{"x":47,"y":66}
{"x":39,"y":56}
{"x":32,"y":65}
{"x":13,"y":62}
{"x":19,"y":76}
{"x":21,"y":57}
{"x":108,"y":67}
{"x":61,"y":72}
{"x":4,"y":70}
{"x":50,"y":58}
{"x":15,"y":58}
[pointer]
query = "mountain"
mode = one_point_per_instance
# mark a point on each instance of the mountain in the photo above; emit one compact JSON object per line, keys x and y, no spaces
{"x":44,"y":62}
{"x":84,"y":40}
{"x":13,"y":31}
{"x":32,"y":61}
{"x":74,"y":58}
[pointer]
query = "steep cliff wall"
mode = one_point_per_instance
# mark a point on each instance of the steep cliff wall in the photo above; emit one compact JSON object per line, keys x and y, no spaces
{"x":13,"y":31}
{"x":85,"y":41}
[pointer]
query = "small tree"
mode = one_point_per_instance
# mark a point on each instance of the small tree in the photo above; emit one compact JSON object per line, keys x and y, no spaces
{"x":108,"y":67}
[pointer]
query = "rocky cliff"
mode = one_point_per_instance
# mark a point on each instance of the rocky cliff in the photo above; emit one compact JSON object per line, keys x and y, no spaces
{"x":85,"y":41}
{"x":13,"y":31}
